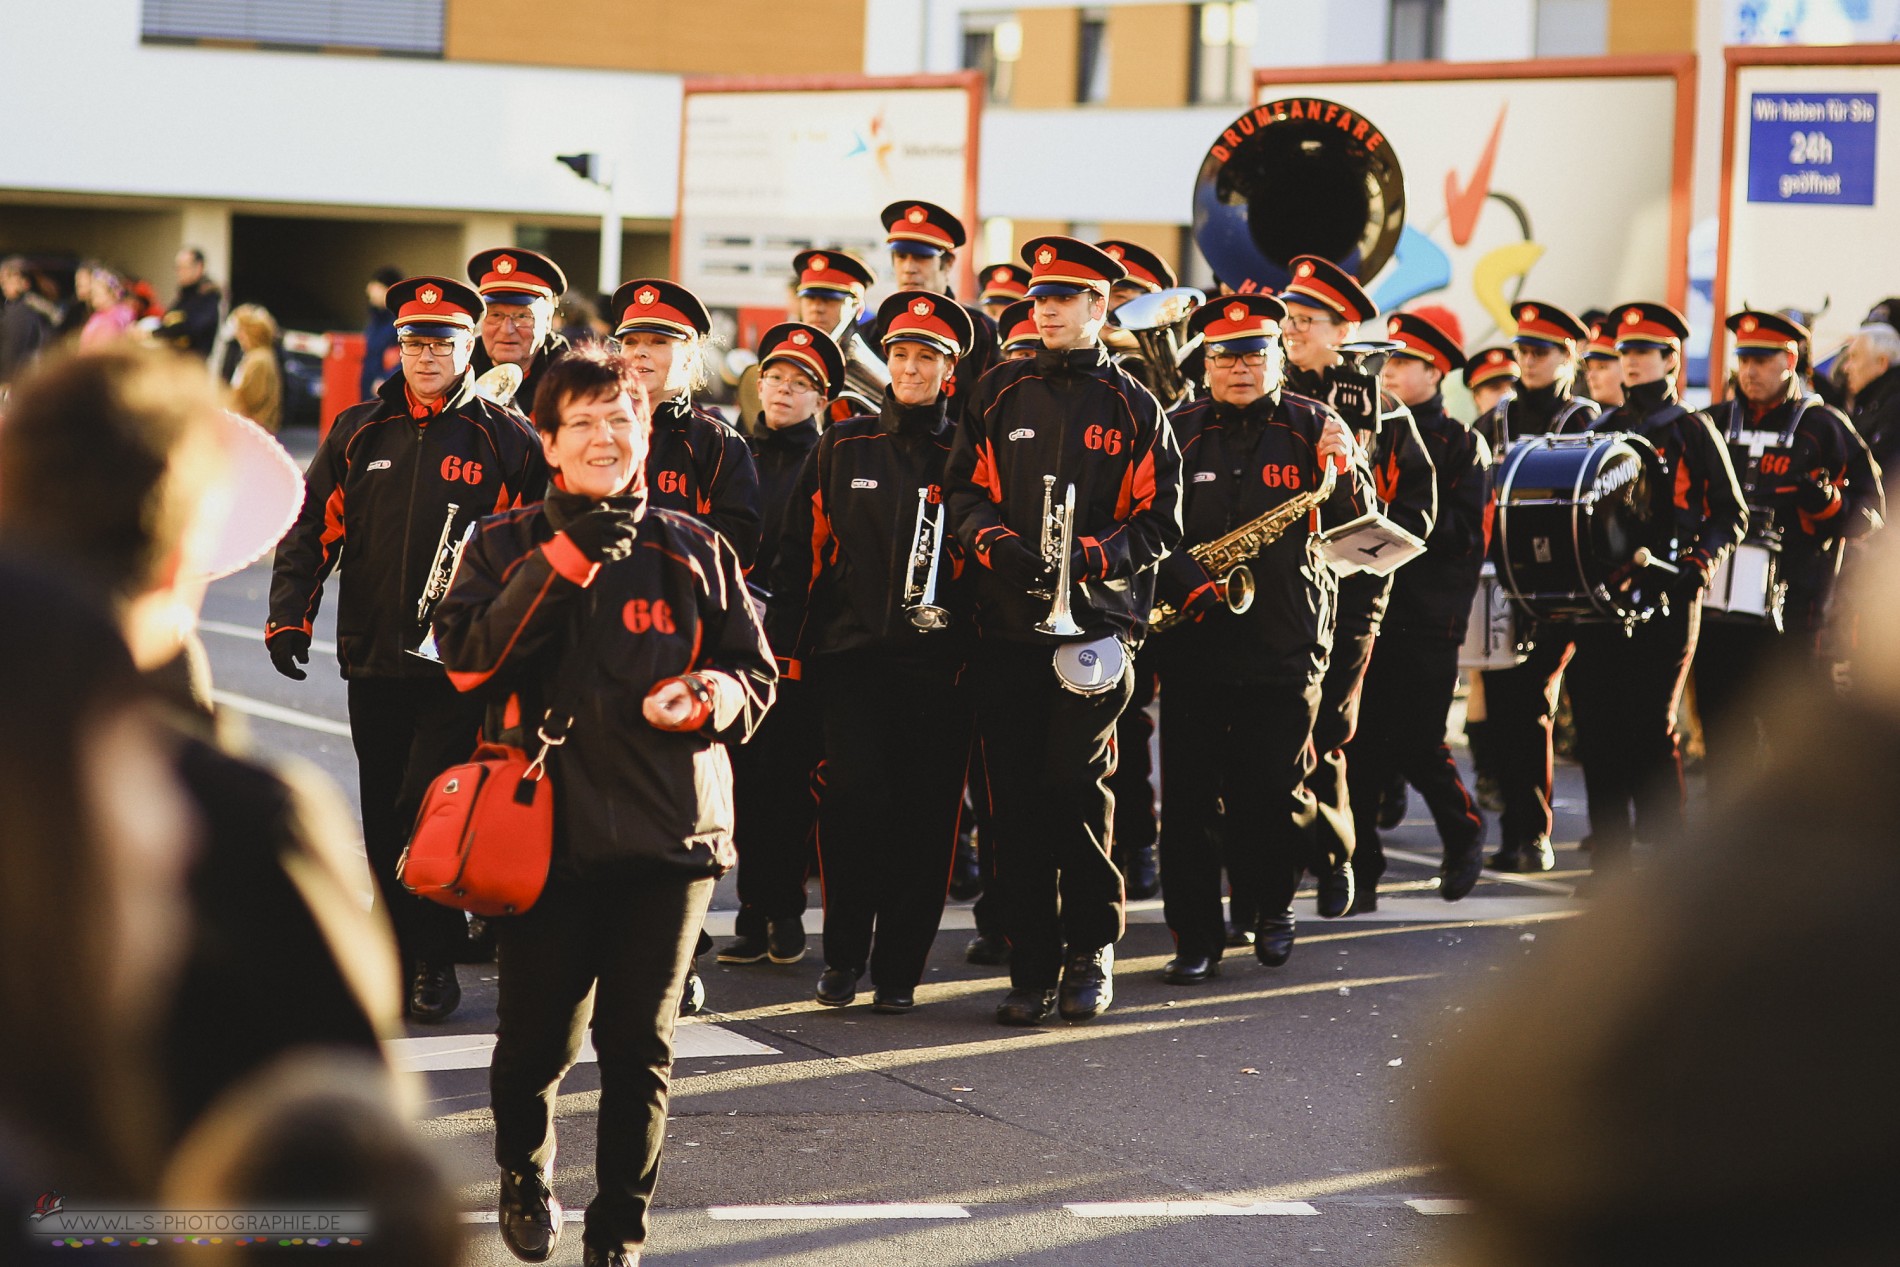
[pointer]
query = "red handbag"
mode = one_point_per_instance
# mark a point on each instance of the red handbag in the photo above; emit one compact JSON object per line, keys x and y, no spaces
{"x":485,"y":836}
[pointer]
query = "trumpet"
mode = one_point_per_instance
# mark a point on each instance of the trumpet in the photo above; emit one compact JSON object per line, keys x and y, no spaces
{"x":448,"y":554}
{"x":1226,"y":557}
{"x":926,"y":552}
{"x":1058,"y":539}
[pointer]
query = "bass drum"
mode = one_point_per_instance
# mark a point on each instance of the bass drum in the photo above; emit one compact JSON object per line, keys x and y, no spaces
{"x":1572,"y":513}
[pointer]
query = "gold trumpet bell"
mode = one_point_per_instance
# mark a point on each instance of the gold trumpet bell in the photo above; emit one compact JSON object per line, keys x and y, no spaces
{"x":1238,"y":589}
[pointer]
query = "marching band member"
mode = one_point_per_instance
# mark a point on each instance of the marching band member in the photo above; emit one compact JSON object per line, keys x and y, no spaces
{"x":1243,"y":689}
{"x":800,"y":368}
{"x":1325,"y":307}
{"x":1414,"y":669}
{"x":1004,"y":285}
{"x":1521,"y":702}
{"x":395,"y":478}
{"x":1021,"y":339}
{"x":1071,"y":415}
{"x":1625,"y":687}
{"x":518,"y":289}
{"x":831,"y":289}
{"x":697,"y":464}
{"x":648,"y":608}
{"x":857,"y":598}
{"x":1146,"y":272}
{"x":1810,"y":486}
{"x":1602,"y":367}
{"x":1491,"y":376}
{"x":924,"y":240}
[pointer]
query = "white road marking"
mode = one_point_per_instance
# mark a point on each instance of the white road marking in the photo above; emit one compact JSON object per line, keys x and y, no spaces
{"x":436,"y":1052}
{"x":1503,"y":877}
{"x":277,"y":712}
{"x":494,"y":1216}
{"x":256,"y":635}
{"x":872,"y":1210}
{"x":1440,"y":1205}
{"x":1184,"y":1209}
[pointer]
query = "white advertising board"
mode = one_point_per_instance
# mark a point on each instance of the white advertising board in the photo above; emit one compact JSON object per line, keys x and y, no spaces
{"x":1510,"y":189}
{"x":1811,"y":188}
{"x":767,"y":172}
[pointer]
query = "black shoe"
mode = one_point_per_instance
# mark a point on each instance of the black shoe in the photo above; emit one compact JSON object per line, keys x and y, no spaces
{"x":1026,"y":1007}
{"x":1088,"y":984}
{"x":530,"y":1216}
{"x":1141,"y":872}
{"x":837,"y":988}
{"x":1365,"y":899}
{"x":693,"y":997}
{"x":434,"y":993}
{"x":966,"y":873}
{"x":1509,"y":858}
{"x":1188,"y":969}
{"x":1336,"y":885}
{"x":786,"y":939}
{"x":594,"y":1256}
{"x":893,"y":1002}
{"x":751,"y":948}
{"x":1460,"y":872}
{"x":1273,"y":944}
{"x":1239,"y":937}
{"x":988,"y":949}
{"x":1393,"y":803}
{"x":1538,"y":855}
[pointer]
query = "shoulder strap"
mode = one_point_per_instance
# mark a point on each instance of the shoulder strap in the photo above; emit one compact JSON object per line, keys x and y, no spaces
{"x":1801,"y":407}
{"x":564,"y":701}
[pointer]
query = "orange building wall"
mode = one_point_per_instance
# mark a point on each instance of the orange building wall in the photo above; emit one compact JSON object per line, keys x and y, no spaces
{"x":733,"y":37}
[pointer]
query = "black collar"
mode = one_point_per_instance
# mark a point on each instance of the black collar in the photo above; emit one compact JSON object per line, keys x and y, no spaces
{"x":1070,"y":361}
{"x":895,"y":418}
{"x":563,"y":508}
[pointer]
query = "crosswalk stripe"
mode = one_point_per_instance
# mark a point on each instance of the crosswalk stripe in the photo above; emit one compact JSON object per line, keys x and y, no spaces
{"x":277,"y":712}
{"x":256,"y":635}
{"x":1185,"y":1209}
{"x":872,"y":1210}
{"x":1440,"y":1205}
{"x":435,"y":1053}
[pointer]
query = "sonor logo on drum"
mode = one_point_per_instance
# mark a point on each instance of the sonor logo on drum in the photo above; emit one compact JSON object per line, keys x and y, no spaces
{"x":1616,"y":477}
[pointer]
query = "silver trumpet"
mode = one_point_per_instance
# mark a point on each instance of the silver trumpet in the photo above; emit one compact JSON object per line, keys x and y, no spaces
{"x":926,"y":553}
{"x":447,"y":555}
{"x":1058,"y":539}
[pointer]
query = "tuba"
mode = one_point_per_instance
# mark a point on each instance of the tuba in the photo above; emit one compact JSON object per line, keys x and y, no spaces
{"x":865,"y":375}
{"x":1351,"y":207}
{"x":1158,"y":325}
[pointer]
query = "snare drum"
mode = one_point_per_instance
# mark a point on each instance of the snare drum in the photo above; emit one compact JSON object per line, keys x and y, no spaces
{"x":1089,"y":668}
{"x":1747,"y":586}
{"x":1572,"y":512}
{"x":1491,"y":640}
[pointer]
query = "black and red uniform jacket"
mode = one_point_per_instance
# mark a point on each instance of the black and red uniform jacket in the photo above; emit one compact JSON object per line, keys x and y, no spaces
{"x":1699,"y":511}
{"x":1236,"y":465}
{"x":844,"y":558}
{"x":1554,"y":409}
{"x":1824,"y":445}
{"x":778,"y":456}
{"x":1403,"y":482}
{"x":698,"y":465}
{"x":1079,"y":417}
{"x":512,"y":627}
{"x":1432,"y":595}
{"x":381,"y":486}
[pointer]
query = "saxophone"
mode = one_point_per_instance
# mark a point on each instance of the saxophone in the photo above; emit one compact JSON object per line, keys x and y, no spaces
{"x":1226,"y":557}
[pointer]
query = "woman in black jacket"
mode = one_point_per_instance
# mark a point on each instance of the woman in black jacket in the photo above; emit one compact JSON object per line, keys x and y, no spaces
{"x":648,"y":609}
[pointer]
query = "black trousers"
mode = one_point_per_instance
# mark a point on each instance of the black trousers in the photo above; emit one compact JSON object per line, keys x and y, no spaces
{"x":1736,"y":662}
{"x":1520,"y":706}
{"x":405,"y":732}
{"x":1237,"y":759}
{"x":1407,"y":695}
{"x":897,"y":742}
{"x":1624,"y":691}
{"x":610,"y":950}
{"x":988,"y":908}
{"x":1136,"y":826}
{"x":775,"y":808}
{"x":1048,"y":754}
{"x":1333,"y":728}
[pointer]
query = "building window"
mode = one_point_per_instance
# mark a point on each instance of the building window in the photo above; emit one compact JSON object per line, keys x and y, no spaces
{"x":409,"y":27}
{"x":1091,"y":57}
{"x":1222,"y":53}
{"x":1415,"y":31}
{"x":993,"y":43}
{"x":1572,"y":28}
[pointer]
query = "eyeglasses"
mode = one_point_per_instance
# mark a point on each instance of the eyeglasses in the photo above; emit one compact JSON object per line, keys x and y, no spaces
{"x":1227,"y":360}
{"x":787,"y":382}
{"x":1305,"y":320}
{"x":502,"y":321}
{"x":622,"y":426}
{"x":442,"y":349}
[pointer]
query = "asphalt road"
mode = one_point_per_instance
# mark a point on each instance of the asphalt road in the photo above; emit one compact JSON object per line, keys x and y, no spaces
{"x":1262,"y":1118}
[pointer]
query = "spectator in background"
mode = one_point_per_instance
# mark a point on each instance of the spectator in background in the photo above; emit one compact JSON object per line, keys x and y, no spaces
{"x":380,"y":356}
{"x":1872,"y":365}
{"x":191,"y":323}
{"x":257,"y":387}
{"x":113,"y":311}
{"x":25,"y":323}
{"x":75,"y":309}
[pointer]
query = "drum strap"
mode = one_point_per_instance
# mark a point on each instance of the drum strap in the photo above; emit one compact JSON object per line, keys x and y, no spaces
{"x":1571,"y":409}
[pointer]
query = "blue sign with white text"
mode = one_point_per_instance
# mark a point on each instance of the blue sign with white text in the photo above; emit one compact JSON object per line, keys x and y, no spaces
{"x":1812,"y":147}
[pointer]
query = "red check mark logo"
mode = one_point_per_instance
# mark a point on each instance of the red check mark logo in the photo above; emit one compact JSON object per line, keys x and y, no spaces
{"x":1462,"y":206}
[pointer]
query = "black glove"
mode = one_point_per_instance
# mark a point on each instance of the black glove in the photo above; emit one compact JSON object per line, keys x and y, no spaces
{"x":1814,"y":493}
{"x":604,"y":534}
{"x":1355,"y":397}
{"x":1205,"y":597}
{"x":1019,"y":566}
{"x":289,"y":648}
{"x":1687,"y":585}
